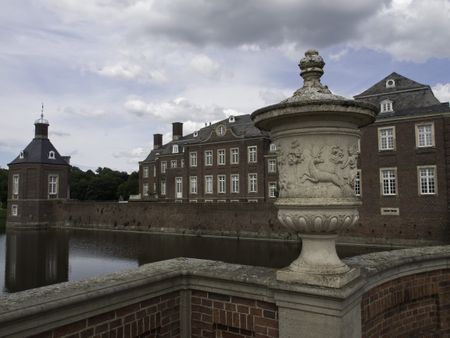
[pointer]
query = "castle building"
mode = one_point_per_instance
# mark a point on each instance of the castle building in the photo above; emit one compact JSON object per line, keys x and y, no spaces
{"x":38,"y":177}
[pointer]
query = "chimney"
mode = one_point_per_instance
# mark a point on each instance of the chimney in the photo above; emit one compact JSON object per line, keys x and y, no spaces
{"x":177,"y":130}
{"x":157,"y":141}
{"x":41,"y":128}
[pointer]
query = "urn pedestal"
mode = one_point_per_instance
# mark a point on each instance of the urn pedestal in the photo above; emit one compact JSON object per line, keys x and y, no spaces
{"x":317,"y":138}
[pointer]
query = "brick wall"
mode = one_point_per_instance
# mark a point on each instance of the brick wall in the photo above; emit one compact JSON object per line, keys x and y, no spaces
{"x":156,"y":317}
{"x":222,"y":316}
{"x":411,"y":306}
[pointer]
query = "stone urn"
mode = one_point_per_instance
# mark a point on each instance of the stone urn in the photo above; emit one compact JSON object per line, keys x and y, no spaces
{"x":317,"y":138}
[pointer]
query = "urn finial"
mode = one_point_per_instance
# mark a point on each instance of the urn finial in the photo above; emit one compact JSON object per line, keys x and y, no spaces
{"x":311,"y":66}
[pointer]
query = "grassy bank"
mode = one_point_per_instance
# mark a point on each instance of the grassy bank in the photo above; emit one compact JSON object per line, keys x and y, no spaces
{"x":2,"y":218}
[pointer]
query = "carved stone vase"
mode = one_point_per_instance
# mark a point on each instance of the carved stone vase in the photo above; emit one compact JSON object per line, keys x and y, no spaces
{"x":317,"y":138}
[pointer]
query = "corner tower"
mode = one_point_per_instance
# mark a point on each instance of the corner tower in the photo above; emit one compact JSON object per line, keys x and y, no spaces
{"x":38,"y":177}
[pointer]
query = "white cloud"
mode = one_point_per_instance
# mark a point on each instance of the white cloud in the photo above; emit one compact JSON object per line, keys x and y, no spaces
{"x":131,"y":156}
{"x":83,"y":112}
{"x":442,"y":92}
{"x":129,"y":71}
{"x":272,"y":96}
{"x":205,"y":66}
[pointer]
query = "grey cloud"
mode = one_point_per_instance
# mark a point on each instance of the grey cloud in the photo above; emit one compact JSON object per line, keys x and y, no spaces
{"x":59,"y":133}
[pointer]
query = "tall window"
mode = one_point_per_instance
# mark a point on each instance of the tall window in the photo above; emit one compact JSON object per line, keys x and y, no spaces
{"x":252,"y":154}
{"x":182,"y":163}
{"x":272,"y":189}
{"x":386,"y":106}
{"x":163,"y":167}
{"x":145,"y":173}
{"x":235,"y":183}
{"x":52,"y":186}
{"x":145,"y":189}
{"x":178,"y":187}
{"x":221,"y":184}
{"x":173,"y":163}
{"x":163,"y":188}
{"x":386,"y":138}
{"x":357,"y":183}
{"x":252,"y":183}
{"x":175,"y":149}
{"x":272,"y":165}
{"x":208,"y":157}
{"x":193,"y":159}
{"x":424,"y":135}
{"x":388,"y":178}
{"x":221,"y":157}
{"x":208,"y":184}
{"x":427,"y":180}
{"x":15,"y":189}
{"x":234,"y":155}
{"x":193,"y":184}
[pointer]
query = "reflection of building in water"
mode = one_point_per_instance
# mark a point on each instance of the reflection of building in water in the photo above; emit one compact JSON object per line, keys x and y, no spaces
{"x":35,"y":259}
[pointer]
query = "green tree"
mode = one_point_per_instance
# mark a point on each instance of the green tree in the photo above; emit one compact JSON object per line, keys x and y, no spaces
{"x":130,"y":186}
{"x":3,"y":187}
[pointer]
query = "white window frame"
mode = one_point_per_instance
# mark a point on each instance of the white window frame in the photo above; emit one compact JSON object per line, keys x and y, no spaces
{"x":178,"y":187}
{"x":252,"y":154}
{"x":51,"y":155}
{"x":427,"y":180}
{"x":173,"y":164}
{"x":193,"y":159}
{"x":357,"y":183}
{"x":221,"y":160}
{"x":271,"y":165}
{"x":209,"y":158}
{"x":209,"y":184}
{"x":15,"y":187}
{"x":387,"y":138}
{"x":272,"y":188}
{"x":193,"y":184}
{"x":386,"y":106}
{"x":272,"y":147}
{"x":252,"y":183}
{"x":221,"y":184}
{"x":390,"y":83}
{"x":234,"y":156}
{"x":145,"y":172}
{"x":14,"y":210}
{"x":382,"y":182}
{"x":428,"y":139}
{"x":175,"y":149}
{"x":163,"y":187}
{"x":234,"y":183}
{"x":163,"y":167}
{"x":53,"y":185}
{"x":145,"y":189}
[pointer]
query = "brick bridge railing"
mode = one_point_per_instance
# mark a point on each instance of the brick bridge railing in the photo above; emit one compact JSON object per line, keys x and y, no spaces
{"x":399,"y":293}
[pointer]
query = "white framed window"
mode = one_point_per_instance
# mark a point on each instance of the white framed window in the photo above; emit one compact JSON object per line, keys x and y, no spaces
{"x":221,"y":184}
{"x":221,"y":130}
{"x":388,"y":181}
{"x":252,"y":183}
{"x":21,"y":155}
{"x":163,"y":188}
{"x":193,"y":159}
{"x":390,"y":83}
{"x":208,"y":184}
{"x":427,"y":180}
{"x":272,"y":165}
{"x":252,"y":154}
{"x":145,"y":189}
{"x":386,"y":138}
{"x":53,"y":186}
{"x":234,"y":155}
{"x":231,"y":119}
{"x":193,"y":184}
{"x":15,"y":187}
{"x":195,"y":133}
{"x":173,"y":163}
{"x":386,"y":106}
{"x":357,"y":183}
{"x":208,"y":157}
{"x":425,"y":135}
{"x":145,"y":172}
{"x":154,"y":171}
{"x":51,"y":155}
{"x":175,"y":149}
{"x":163,"y":167}
{"x":178,"y":187}
{"x":221,"y":157}
{"x":14,"y":210}
{"x":272,"y":189}
{"x":272,"y":147}
{"x":235,"y":183}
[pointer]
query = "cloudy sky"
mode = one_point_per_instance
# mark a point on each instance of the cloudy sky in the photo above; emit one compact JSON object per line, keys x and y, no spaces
{"x":111,"y":73}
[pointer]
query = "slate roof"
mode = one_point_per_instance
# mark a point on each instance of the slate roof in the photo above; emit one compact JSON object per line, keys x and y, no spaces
{"x":242,"y":127}
{"x":37,"y":152}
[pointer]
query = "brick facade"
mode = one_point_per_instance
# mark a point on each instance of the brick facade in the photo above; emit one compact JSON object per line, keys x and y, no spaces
{"x":412,"y":306}
{"x":223,"y":316}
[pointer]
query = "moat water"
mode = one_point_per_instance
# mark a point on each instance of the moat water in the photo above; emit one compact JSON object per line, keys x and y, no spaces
{"x":30,"y":259}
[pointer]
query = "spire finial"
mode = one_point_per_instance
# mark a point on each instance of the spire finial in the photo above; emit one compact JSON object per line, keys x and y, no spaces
{"x":42,"y":111}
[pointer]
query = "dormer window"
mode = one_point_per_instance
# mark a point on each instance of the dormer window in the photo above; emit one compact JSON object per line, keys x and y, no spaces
{"x":195,"y":133}
{"x":390,"y":83}
{"x":231,"y":119}
{"x":386,"y":106}
{"x":273,"y":147}
{"x":51,"y":155}
{"x":175,"y":149}
{"x":21,"y":155}
{"x":220,"y":131}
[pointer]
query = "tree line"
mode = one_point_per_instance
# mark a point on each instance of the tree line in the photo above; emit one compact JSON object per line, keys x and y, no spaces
{"x":103,"y":184}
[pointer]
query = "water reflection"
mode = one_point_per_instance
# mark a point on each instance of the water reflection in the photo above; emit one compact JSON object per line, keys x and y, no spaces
{"x":40,"y":258}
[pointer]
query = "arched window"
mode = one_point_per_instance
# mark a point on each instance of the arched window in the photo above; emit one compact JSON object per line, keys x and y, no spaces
{"x":175,"y":149}
{"x":51,"y":155}
{"x":386,"y":106}
{"x":21,"y":155}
